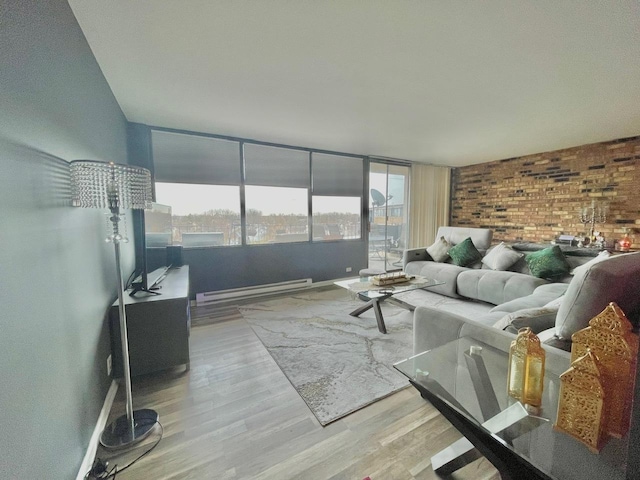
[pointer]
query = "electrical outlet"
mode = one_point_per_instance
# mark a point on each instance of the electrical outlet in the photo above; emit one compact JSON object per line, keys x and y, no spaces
{"x":348,"y":269}
{"x":109,"y":365}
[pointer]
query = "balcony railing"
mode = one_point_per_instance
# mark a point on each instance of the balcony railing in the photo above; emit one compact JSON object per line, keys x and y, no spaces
{"x":258,"y":233}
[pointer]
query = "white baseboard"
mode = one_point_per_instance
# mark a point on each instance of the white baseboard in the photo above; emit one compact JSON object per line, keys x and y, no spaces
{"x":87,"y":461}
{"x":205,"y":298}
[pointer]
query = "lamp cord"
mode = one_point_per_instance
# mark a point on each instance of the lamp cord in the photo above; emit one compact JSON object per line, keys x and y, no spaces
{"x":111,"y":474}
{"x":127,"y":284}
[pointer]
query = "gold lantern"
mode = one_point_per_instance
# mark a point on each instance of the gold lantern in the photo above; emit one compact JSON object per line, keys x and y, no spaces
{"x":526,"y":368}
{"x":610,"y":338}
{"x":581,"y":411}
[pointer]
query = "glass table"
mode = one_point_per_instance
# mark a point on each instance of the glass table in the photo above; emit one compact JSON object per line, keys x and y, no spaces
{"x":374,"y":295}
{"x":469,"y":389}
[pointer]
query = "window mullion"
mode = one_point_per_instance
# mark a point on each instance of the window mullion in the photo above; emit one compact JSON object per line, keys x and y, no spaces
{"x":243,"y":204}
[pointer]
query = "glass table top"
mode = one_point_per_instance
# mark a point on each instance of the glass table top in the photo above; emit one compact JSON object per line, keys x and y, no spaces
{"x":364,"y":286}
{"x":475,"y":384}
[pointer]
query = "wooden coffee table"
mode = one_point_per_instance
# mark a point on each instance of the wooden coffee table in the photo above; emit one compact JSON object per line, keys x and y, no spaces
{"x":374,"y":295}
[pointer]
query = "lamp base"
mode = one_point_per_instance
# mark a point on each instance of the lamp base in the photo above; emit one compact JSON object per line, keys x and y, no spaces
{"x":117,"y":434}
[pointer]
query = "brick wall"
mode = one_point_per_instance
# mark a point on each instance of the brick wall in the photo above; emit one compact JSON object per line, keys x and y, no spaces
{"x":537,"y":197}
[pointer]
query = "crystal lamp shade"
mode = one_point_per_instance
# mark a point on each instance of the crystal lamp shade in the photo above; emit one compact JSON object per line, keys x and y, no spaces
{"x":110,"y":185}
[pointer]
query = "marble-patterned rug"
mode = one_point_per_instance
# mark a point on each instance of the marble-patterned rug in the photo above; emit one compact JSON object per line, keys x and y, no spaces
{"x":336,"y":362}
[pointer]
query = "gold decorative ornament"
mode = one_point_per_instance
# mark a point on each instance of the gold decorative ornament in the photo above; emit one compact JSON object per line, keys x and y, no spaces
{"x":391,"y":278}
{"x":581,"y":404}
{"x":610,"y":338}
{"x":526,"y":368}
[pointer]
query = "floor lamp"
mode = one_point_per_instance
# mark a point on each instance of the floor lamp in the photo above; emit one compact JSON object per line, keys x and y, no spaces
{"x":113,"y":186}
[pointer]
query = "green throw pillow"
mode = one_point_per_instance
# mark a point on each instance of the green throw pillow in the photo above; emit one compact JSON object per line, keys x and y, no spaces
{"x":548,"y":263}
{"x":465,"y":253}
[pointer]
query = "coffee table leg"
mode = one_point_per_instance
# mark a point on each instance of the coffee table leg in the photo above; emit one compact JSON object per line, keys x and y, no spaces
{"x":360,"y":310}
{"x":375,"y":304}
{"x":376,"y":308}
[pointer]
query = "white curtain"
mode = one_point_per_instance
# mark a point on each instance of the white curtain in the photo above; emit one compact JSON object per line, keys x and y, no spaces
{"x":429,"y":203}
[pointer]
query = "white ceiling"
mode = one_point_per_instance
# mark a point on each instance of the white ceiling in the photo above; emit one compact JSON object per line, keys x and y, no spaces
{"x":443,"y":82}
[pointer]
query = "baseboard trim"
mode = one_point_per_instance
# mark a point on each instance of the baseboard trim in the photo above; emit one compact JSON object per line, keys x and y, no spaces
{"x":206,"y":298}
{"x":87,"y":461}
{"x":252,"y":298}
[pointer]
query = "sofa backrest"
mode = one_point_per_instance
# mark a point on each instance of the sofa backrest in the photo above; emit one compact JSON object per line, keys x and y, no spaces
{"x":574,"y":260}
{"x":481,"y":237}
{"x":616,"y":279}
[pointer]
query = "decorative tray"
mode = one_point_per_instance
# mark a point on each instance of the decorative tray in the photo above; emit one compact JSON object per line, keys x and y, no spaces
{"x":391,"y":278}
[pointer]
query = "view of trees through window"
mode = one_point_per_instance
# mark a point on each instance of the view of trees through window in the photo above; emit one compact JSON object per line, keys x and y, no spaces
{"x":277,"y":214}
{"x":336,"y":218}
{"x":202,"y":215}
{"x":225,"y":192}
{"x":209,"y":215}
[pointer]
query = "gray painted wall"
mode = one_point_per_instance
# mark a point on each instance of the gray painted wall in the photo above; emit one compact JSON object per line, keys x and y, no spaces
{"x":57,"y":273}
{"x":221,"y":268}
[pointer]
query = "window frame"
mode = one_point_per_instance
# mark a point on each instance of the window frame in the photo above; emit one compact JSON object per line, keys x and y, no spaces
{"x":364,"y":164}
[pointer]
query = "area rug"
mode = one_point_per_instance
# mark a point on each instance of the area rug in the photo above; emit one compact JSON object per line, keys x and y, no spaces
{"x":336,"y":362}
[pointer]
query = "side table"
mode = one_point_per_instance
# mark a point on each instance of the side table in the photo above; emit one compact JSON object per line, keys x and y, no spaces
{"x":158,"y":327}
{"x":471,"y":394}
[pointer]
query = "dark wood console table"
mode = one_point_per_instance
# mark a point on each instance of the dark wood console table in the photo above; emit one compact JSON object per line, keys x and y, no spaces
{"x":157,"y":326}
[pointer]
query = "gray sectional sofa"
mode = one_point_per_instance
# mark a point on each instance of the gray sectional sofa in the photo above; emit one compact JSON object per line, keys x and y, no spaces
{"x":554,"y":309}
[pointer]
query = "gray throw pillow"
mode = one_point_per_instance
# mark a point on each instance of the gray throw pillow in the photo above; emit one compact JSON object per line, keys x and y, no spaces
{"x":501,"y":257}
{"x":538,"y":319}
{"x":438,"y":251}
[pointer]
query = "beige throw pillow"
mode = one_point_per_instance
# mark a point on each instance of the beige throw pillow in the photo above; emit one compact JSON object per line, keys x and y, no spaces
{"x":438,"y":251}
{"x":501,"y":257}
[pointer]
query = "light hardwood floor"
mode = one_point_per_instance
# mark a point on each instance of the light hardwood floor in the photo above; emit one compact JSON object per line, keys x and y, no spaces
{"x":235,"y":415}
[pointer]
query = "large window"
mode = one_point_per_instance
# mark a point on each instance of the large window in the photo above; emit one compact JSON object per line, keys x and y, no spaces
{"x":336,"y":218}
{"x":221,"y":189}
{"x":276,"y":214}
{"x":276,"y":194}
{"x":337,"y":197}
{"x":388,"y":195}
{"x":199,"y":178}
{"x":202,"y":215}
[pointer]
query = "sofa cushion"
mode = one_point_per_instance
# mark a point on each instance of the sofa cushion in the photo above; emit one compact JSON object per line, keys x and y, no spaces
{"x":555,"y":303}
{"x":538,"y":319}
{"x":489,"y":318}
{"x":496,"y":287}
{"x":542,"y":296}
{"x":547,"y":263}
{"x":465,"y":253}
{"x":446,"y":272}
{"x":439,"y":250}
{"x":603,"y":255}
{"x":481,"y":237}
{"x":616,"y":279}
{"x":501,"y":257}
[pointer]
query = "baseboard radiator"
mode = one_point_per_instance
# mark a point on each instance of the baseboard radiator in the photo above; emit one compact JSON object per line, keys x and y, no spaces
{"x":257,"y":290}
